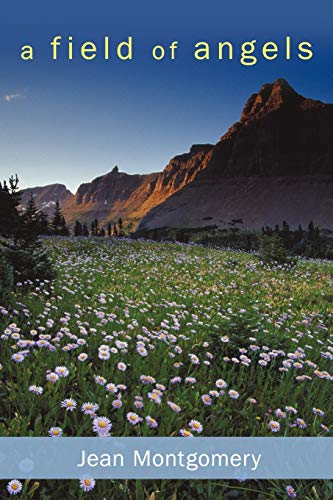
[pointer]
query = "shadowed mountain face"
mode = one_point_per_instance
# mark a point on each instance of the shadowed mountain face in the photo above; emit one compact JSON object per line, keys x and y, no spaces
{"x":276,"y":163}
{"x":45,"y":197}
{"x":279,"y":133}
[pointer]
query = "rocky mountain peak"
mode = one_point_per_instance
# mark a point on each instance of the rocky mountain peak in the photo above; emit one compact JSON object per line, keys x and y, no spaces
{"x":271,"y":97}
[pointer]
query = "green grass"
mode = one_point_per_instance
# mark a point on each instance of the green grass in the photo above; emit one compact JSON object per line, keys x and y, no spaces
{"x":225,"y":308}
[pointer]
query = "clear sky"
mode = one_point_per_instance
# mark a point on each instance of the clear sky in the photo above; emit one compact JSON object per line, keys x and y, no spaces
{"x":71,"y":121}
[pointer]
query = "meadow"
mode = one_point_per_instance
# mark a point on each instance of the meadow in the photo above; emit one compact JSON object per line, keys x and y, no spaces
{"x":139,"y":338}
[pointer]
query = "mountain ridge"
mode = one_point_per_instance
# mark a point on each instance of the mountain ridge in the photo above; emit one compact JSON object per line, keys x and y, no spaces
{"x":280,"y":135}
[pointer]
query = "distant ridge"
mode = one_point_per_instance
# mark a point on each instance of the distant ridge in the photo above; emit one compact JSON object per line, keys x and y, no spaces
{"x":275,"y":163}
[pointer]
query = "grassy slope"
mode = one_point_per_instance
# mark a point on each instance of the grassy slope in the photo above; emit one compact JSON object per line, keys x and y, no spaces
{"x":207,"y":303}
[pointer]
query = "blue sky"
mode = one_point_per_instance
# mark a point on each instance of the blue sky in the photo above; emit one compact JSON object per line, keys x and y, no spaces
{"x":69,"y":122}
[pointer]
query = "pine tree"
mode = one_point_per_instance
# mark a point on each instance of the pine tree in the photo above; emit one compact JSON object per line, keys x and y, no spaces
{"x":10,"y":222}
{"x":58,"y":225}
{"x":286,"y":234}
{"x":36,"y":220}
{"x":43,"y":223}
{"x":311,"y":230}
{"x":85,"y":230}
{"x":64,"y":228}
{"x":272,"y":250}
{"x":299,"y":235}
{"x":31,"y":227}
{"x":121,"y":228}
{"x":6,"y":281}
{"x":31,"y":213}
{"x":94,"y":228}
{"x":78,"y":229}
{"x":22,"y":250}
{"x":109,"y":230}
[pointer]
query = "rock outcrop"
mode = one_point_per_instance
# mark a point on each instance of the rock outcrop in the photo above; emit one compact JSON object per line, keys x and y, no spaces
{"x":276,"y":163}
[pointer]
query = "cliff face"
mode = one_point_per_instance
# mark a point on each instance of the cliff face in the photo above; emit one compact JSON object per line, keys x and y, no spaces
{"x":180,"y":171}
{"x":45,"y":197}
{"x":108,"y":197}
{"x":275,"y":163}
{"x":279,"y":133}
{"x":118,"y":194}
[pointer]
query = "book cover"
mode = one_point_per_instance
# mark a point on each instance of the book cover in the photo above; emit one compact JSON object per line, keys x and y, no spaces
{"x":166,"y":246}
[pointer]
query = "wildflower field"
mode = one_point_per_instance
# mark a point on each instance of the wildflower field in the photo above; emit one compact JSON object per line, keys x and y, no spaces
{"x":147,"y":339}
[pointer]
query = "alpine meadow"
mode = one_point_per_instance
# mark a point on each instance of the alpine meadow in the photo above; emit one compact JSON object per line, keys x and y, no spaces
{"x":139,"y":338}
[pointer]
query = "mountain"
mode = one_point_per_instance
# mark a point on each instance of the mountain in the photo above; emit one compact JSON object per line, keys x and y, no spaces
{"x":46,"y":197}
{"x":117,"y":194}
{"x":109,"y":197}
{"x":275,"y":163}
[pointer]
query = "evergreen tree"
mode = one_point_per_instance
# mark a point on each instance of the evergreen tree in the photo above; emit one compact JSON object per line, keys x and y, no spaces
{"x":102,"y":232}
{"x":23,"y":252}
{"x":64,"y":228}
{"x":121,"y":228}
{"x":6,"y":281}
{"x":94,"y":228}
{"x":115,"y":230}
{"x":78,"y":229}
{"x":43,"y":223}
{"x":286,"y":234}
{"x":299,"y":235}
{"x":31,"y":227}
{"x":109,"y":230}
{"x":31,"y":213}
{"x":311,"y":230}
{"x":58,"y":225}
{"x":272,"y":250}
{"x":36,"y":220}
{"x":85,"y":230}
{"x":10,"y":222}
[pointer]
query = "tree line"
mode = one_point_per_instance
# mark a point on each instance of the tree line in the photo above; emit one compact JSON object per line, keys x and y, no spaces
{"x":115,"y":229}
{"x":22,"y":255}
{"x":57,"y":225}
{"x":309,"y":242}
{"x":23,"y":258}
{"x":276,"y":243}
